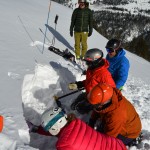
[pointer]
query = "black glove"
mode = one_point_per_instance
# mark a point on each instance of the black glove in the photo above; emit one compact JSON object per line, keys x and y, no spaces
{"x":71,"y":33}
{"x":73,"y":105}
{"x":80,"y":98}
{"x":81,"y":104}
{"x":84,"y":72}
{"x":92,"y":122}
{"x":89,"y":34}
{"x":83,"y":107}
{"x":32,"y":127}
{"x":79,"y":84}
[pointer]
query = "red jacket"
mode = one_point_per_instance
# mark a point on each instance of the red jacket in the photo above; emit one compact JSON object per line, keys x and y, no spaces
{"x":77,"y":135}
{"x":98,"y":75}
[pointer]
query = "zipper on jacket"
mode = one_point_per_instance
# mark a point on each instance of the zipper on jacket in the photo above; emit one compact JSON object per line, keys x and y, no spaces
{"x":82,"y":20}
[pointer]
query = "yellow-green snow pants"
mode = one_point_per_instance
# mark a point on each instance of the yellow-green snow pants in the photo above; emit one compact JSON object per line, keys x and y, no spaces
{"x":80,"y":43}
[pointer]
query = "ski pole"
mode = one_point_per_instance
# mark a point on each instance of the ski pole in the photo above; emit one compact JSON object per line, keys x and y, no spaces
{"x":55,"y":21}
{"x":46,"y":26}
{"x":57,"y":98}
{"x":28,"y":33}
{"x":45,"y":35}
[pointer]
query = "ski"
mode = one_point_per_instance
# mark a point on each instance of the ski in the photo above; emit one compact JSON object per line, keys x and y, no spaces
{"x":66,"y":54}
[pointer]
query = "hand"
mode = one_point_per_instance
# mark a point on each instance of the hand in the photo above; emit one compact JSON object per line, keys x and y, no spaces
{"x":89,"y":34}
{"x":71,"y":117}
{"x":74,"y":104}
{"x":72,"y":86}
{"x":84,"y":72}
{"x":71,"y":33}
{"x":32,"y":127}
{"x":79,"y":85}
{"x":92,"y":122}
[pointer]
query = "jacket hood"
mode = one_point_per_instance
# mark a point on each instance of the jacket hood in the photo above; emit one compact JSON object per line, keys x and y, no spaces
{"x":106,"y":65}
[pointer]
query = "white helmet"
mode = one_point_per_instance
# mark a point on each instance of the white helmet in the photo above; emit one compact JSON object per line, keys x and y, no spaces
{"x":53,"y":119}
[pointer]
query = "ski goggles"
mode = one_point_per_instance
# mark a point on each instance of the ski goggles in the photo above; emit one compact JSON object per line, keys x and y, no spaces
{"x":110,"y":50}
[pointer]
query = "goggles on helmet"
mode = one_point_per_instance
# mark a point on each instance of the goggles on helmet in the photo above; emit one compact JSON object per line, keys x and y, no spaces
{"x":54,"y":120}
{"x":110,"y":50}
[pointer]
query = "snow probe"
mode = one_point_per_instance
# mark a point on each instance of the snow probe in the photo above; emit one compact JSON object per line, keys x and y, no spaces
{"x":28,"y":33}
{"x":57,"y":98}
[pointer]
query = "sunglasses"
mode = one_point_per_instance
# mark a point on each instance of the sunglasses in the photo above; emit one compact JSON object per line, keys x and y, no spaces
{"x":81,"y":3}
{"x":110,"y":50}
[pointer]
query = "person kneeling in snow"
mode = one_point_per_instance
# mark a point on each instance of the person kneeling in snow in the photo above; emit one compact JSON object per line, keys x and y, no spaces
{"x":1,"y":123}
{"x":97,"y":72}
{"x":74,"y":134}
{"x":116,"y":115}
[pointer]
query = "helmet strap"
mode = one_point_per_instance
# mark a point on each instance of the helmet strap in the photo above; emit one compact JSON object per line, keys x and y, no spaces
{"x":106,"y":105}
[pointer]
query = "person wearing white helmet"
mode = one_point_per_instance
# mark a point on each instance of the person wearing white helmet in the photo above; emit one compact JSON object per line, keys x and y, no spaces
{"x":53,"y":120}
{"x":74,"y":134}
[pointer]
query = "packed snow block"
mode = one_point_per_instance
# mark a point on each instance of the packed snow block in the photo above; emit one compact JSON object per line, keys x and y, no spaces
{"x":38,"y":90}
{"x":1,"y":123}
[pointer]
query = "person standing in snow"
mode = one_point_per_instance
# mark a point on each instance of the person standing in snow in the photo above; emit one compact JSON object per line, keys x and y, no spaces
{"x":1,"y":123}
{"x":97,"y":72}
{"x":119,"y":64}
{"x":82,"y":25}
{"x":116,"y":115}
{"x":72,"y":133}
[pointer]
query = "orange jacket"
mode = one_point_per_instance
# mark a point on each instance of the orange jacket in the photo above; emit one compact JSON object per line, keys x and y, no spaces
{"x":1,"y":123}
{"x":120,"y":117}
{"x":98,"y":75}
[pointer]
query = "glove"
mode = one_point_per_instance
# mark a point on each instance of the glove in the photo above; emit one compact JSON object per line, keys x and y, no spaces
{"x":32,"y":127}
{"x":71,"y":33}
{"x":84,"y":72}
{"x":77,"y":85}
{"x":74,"y":104}
{"x":89,"y":34}
{"x":83,"y":107}
{"x":80,"y":98}
{"x":92,"y":122}
{"x":72,"y":86}
{"x":71,"y":117}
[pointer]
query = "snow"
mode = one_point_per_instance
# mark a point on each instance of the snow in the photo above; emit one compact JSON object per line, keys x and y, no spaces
{"x":134,"y":6}
{"x":30,"y":78}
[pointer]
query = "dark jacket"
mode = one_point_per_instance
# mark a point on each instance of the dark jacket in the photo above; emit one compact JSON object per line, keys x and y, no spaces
{"x":82,"y":20}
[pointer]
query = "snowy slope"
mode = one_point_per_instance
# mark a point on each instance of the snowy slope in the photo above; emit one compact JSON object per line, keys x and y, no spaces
{"x":30,"y":78}
{"x":133,"y":6}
